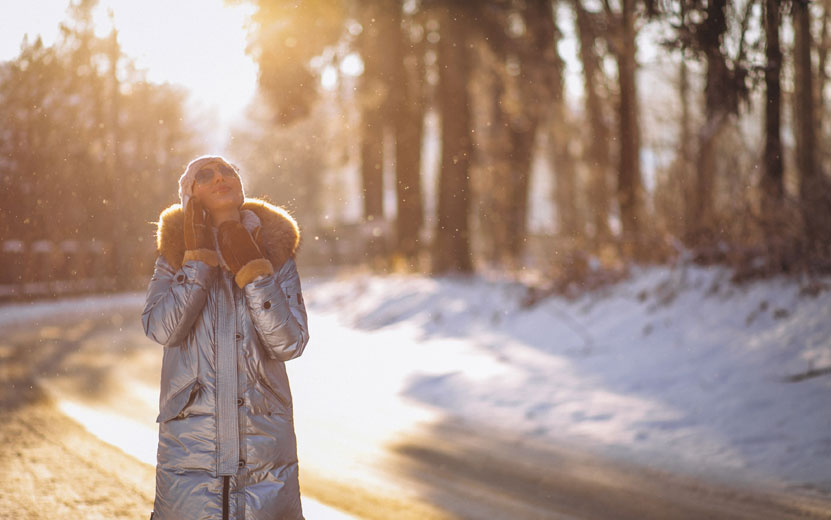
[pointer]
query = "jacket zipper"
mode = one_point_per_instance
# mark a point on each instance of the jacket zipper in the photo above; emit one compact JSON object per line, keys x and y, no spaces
{"x":225,"y":484}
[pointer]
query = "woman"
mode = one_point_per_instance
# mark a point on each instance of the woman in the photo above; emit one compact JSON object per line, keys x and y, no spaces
{"x":225,"y":301}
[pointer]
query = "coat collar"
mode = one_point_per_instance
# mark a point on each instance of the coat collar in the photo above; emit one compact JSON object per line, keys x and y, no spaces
{"x":280,"y":232}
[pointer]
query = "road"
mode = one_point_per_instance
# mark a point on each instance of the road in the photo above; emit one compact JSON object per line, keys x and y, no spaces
{"x":77,"y":435}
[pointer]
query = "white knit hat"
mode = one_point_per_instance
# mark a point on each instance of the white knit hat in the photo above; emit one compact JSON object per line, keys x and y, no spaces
{"x":189,"y":177}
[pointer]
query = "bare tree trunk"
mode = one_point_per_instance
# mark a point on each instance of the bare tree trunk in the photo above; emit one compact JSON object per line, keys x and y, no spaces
{"x":537,"y":80}
{"x":565,"y":176}
{"x":380,"y":34}
{"x":815,"y":213}
{"x":629,"y":190}
{"x":684,"y":172}
{"x":451,"y":246}
{"x":374,"y":94}
{"x":716,"y":91}
{"x":822,"y":80}
{"x":772,"y":174}
{"x":522,"y":134}
{"x":409,"y":121}
{"x":822,"y":55}
{"x":534,"y":55}
{"x":119,"y":225}
{"x":560,"y":129}
{"x":597,"y":155}
{"x":493,"y":196}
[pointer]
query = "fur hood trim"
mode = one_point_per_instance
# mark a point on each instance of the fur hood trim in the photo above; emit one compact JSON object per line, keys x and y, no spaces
{"x":280,"y":232}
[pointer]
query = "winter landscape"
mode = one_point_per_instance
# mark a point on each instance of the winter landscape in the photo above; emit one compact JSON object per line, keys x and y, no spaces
{"x":675,"y":369}
{"x":543,"y":259}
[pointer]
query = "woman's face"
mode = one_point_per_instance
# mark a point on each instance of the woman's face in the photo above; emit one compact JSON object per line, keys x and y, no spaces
{"x":218,"y":187}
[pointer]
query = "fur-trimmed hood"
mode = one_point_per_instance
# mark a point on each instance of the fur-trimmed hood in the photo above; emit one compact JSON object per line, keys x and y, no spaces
{"x":280,"y":232}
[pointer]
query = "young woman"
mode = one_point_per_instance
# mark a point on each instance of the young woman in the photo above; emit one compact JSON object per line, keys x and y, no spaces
{"x":226,"y":303}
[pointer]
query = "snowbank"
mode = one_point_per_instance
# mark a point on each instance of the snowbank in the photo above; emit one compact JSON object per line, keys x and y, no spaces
{"x":679,"y":369}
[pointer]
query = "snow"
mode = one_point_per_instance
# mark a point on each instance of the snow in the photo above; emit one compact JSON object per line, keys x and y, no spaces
{"x":675,"y":368}
{"x":50,"y":311}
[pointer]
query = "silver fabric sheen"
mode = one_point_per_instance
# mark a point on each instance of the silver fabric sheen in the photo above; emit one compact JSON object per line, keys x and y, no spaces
{"x":225,"y":406}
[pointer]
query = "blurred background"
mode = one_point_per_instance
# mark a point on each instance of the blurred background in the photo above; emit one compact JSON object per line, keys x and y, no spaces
{"x":567,"y":137}
{"x":561,"y":258}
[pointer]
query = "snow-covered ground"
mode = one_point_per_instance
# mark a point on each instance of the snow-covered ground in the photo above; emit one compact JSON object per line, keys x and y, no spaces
{"x":674,"y":368}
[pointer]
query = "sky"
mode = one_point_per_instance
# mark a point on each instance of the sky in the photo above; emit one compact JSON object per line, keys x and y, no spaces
{"x":199,"y":44}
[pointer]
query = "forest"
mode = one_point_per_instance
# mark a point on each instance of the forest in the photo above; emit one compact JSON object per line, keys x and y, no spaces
{"x":572,"y":137}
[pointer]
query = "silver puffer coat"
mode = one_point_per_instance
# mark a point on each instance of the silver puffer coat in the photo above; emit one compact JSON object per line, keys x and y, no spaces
{"x":226,"y":435}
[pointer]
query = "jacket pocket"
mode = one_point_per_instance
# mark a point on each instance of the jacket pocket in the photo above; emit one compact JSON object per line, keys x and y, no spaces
{"x":276,"y":395}
{"x":177,"y":404}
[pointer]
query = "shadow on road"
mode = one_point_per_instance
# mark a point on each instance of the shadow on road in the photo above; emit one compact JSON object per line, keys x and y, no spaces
{"x":82,"y":356}
{"x":476,"y":473}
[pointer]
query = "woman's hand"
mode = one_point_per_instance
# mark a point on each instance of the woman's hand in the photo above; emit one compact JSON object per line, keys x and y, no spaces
{"x":198,"y":234}
{"x":242,"y":254}
{"x":199,"y":238}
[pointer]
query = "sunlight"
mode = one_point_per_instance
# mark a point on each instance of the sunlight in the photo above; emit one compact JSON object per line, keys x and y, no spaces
{"x":199,"y":44}
{"x":389,"y":419}
{"x":352,"y":65}
{"x":132,"y":437}
{"x":329,"y":78}
{"x":139,"y":440}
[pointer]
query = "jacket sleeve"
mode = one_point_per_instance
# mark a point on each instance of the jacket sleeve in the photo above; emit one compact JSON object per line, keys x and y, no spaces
{"x":175,"y":299}
{"x":275,"y":304}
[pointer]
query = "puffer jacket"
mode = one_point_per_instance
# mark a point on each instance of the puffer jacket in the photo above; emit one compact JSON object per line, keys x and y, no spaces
{"x":227,"y":447}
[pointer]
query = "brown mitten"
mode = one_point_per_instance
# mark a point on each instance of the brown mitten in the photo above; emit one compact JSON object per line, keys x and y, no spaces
{"x":241,"y":253}
{"x":199,"y":240}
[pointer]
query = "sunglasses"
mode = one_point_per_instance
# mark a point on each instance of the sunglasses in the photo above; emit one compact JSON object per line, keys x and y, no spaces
{"x":206,"y":174}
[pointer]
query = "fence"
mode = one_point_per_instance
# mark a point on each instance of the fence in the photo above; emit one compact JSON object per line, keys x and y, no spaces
{"x":45,"y":268}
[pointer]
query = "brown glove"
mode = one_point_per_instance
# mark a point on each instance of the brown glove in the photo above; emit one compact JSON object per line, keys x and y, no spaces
{"x":241,"y":253}
{"x":199,"y":240}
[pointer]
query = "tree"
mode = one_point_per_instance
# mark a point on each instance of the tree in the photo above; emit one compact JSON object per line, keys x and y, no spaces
{"x":597,"y":156}
{"x":289,"y":165}
{"x":390,"y":91}
{"x":56,"y":104}
{"x":813,"y":189}
{"x":286,"y":36}
{"x":451,"y":245}
{"x":376,"y":39}
{"x":561,"y":142}
{"x":408,"y":107}
{"x":773,"y":171}
{"x":629,"y":188}
{"x":525,"y":73}
{"x":540,"y":67}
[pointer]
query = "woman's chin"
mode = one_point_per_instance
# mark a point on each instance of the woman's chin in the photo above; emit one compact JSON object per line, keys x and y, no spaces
{"x":223,"y":202}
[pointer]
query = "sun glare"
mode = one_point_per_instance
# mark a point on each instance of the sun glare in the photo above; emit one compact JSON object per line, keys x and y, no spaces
{"x":199,"y":44}
{"x":196,"y":43}
{"x":352,"y":65}
{"x":329,"y":78}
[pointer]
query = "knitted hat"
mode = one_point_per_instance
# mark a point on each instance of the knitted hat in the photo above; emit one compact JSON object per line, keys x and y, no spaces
{"x":189,"y":177}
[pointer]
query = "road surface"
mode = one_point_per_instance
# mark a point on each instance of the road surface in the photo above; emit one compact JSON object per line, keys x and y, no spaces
{"x":77,"y":439}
